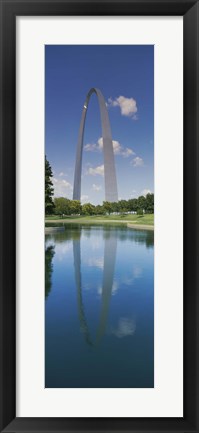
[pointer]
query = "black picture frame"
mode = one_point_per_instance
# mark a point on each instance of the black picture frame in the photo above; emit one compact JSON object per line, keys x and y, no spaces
{"x":9,"y":10}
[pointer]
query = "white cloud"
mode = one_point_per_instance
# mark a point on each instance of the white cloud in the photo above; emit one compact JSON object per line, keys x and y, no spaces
{"x":62,"y":188}
{"x":100,"y":143}
{"x":128,"y":106}
{"x":95,"y":245}
{"x":137,"y":271}
{"x":62,"y":249}
{"x":146,"y":191}
{"x":62,"y":174}
{"x":96,"y":187}
{"x":133,"y":194}
{"x":118,"y":149}
{"x":124,"y":328}
{"x":84,"y":198}
{"x":96,"y":262}
{"x":114,"y":288}
{"x":91,"y":147}
{"x":99,"y":290}
{"x":97,"y":170}
{"x":127,"y":152}
{"x":137,"y":162}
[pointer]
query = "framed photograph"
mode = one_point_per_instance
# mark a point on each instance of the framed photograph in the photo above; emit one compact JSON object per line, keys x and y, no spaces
{"x":99,"y":211}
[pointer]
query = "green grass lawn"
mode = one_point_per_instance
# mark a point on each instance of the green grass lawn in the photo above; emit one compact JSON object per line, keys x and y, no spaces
{"x":135,"y":219}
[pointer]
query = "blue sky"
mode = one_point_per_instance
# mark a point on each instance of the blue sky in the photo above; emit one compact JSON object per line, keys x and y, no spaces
{"x":125,"y":76}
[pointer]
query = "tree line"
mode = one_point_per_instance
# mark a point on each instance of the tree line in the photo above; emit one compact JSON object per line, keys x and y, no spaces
{"x":140,"y":205}
{"x":64,"y":206}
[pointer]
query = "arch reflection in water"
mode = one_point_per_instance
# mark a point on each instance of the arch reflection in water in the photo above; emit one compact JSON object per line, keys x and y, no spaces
{"x":99,"y":278}
{"x":110,"y":247}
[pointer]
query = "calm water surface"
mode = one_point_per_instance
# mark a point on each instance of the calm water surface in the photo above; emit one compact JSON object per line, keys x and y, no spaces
{"x":99,"y":329}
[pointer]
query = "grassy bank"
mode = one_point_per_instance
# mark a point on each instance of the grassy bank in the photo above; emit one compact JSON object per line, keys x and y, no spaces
{"x":144,"y":220}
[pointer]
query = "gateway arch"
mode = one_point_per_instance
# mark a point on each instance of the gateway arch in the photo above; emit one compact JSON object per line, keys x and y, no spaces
{"x":111,"y":193}
{"x":110,"y":249}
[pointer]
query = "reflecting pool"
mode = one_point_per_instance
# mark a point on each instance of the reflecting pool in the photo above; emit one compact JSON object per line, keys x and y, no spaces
{"x":99,"y":308}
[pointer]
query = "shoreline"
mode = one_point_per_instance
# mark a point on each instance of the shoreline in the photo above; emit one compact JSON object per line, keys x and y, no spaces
{"x":140,"y":226}
{"x":76,"y":221}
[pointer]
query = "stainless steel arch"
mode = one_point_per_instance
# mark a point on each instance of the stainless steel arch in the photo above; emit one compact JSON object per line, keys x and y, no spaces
{"x":111,"y":193}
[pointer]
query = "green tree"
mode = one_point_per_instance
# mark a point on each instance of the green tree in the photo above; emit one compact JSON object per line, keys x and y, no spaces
{"x":141,"y":202}
{"x":123,"y":206}
{"x":115,"y":206}
{"x":107,"y":206}
{"x":62,"y":206}
{"x":49,"y":253}
{"x":88,"y":209}
{"x":99,"y":210}
{"x":74,"y":207}
{"x":132,"y":204}
{"x":149,"y":203}
{"x":49,"y":190}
